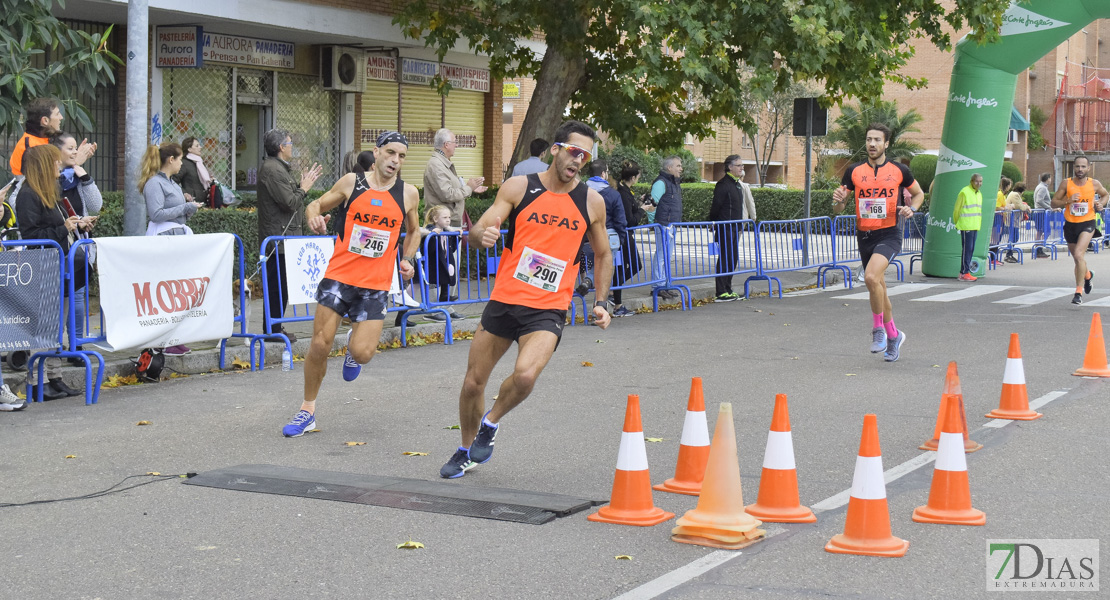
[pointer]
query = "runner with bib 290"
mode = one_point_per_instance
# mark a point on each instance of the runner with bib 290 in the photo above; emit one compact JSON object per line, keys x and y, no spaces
{"x":877,"y":185}
{"x":547,"y":217}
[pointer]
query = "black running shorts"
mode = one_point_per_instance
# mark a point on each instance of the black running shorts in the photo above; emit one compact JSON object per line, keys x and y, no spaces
{"x":884,"y":242}
{"x":1072,"y":231}
{"x":357,"y":304}
{"x":511,"y":321}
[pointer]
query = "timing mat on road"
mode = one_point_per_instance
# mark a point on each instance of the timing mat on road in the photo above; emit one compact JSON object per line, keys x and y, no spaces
{"x":443,"y":497}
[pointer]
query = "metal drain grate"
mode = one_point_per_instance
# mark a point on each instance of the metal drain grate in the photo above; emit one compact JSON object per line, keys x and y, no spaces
{"x":441,"y":497}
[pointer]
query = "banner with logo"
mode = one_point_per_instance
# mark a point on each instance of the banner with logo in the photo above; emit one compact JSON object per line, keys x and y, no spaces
{"x":158,"y":291}
{"x":29,"y":299}
{"x":306,"y":260}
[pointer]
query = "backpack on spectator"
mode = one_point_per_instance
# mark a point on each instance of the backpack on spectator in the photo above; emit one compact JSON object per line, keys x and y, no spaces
{"x":149,"y":364}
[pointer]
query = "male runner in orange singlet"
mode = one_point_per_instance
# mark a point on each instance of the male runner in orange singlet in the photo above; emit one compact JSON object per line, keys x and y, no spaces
{"x":1077,"y":198}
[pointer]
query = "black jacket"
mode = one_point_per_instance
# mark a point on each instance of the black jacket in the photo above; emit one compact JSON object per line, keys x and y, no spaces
{"x":728,"y":201}
{"x":189,"y":178}
{"x":633,"y":214}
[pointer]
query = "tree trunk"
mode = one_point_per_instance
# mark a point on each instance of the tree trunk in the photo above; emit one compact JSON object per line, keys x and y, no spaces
{"x":560,"y":75}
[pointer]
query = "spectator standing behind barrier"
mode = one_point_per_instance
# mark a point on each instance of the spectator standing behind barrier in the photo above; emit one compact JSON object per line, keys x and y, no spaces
{"x":442,"y":185}
{"x":635,"y":214}
{"x":82,"y":198}
{"x":732,"y":201}
{"x":666,"y":194}
{"x":280,"y":213}
{"x":997,"y":229}
{"x":535,"y":163}
{"x":41,"y":216}
{"x":635,"y":211}
{"x":193,"y":176}
{"x":616,"y":223}
{"x":442,"y":268}
{"x":968,"y":216}
{"x":42,"y":118}
{"x":877,"y":185}
{"x":1015,"y":202}
{"x":1042,"y":200}
{"x":166,"y":206}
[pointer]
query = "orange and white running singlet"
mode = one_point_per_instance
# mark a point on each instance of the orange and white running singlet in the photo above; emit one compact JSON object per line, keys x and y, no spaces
{"x":365,"y":253}
{"x":545,"y":234}
{"x":877,"y":191}
{"x":1084,"y":209}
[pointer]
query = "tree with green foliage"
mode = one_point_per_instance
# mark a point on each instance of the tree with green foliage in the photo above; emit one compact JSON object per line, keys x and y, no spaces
{"x":851,"y":129}
{"x":924,"y":169}
{"x":773,"y":117}
{"x":78,"y":63}
{"x":1011,"y":170}
{"x":649,"y":72}
{"x":1037,"y":120}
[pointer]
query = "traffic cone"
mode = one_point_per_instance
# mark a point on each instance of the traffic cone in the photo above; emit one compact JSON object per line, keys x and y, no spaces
{"x":867,"y":528}
{"x":951,"y":386}
{"x":693,"y":450}
{"x":719,"y":521}
{"x":778,"y":486}
{"x":1014,"y":403}
{"x":950,"y":494}
{"x":631,"y":502}
{"x":1094,"y":362}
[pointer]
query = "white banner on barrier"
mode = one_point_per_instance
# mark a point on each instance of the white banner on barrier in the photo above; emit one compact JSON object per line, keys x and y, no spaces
{"x":306,"y":261}
{"x":158,"y":291}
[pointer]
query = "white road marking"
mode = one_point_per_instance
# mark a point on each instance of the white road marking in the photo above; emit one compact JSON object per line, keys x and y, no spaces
{"x":1039,"y":296}
{"x":892,"y":291}
{"x":668,"y":581}
{"x":1100,"y":302}
{"x":968,"y":292}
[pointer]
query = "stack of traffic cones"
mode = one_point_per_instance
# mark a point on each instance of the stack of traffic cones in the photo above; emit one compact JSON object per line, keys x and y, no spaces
{"x":693,"y":450}
{"x":867,"y":528}
{"x":1094,"y":362}
{"x":631,"y":502}
{"x":950,"y":495}
{"x":1014,"y":403}
{"x":951,"y":386}
{"x":719,"y":521}
{"x":778,"y":486}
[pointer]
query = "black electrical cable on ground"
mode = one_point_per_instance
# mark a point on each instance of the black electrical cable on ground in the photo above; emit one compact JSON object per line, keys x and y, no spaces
{"x":111,"y":490}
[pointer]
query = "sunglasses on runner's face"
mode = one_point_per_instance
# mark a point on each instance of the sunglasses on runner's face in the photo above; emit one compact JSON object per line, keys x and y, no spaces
{"x":575,"y":151}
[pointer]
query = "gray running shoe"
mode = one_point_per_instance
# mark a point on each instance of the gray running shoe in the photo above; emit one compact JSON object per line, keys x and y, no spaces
{"x":893,"y":346}
{"x":878,"y":340}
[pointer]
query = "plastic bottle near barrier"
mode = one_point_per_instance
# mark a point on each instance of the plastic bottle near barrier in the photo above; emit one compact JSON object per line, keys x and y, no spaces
{"x":286,"y":360}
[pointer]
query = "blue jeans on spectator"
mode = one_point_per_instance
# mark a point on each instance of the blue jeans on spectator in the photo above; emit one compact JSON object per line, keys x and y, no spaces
{"x":664,"y":243}
{"x":968,"y":239}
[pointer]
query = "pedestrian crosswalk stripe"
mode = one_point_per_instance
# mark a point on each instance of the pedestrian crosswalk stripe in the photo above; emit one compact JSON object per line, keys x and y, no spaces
{"x":1039,"y":296}
{"x":892,"y":291}
{"x":1100,"y":302}
{"x":968,"y":292}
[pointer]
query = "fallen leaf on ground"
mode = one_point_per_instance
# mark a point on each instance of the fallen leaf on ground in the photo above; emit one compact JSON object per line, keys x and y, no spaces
{"x":936,"y":366}
{"x":410,"y":545}
{"x":71,"y":456}
{"x":653,"y":439}
{"x":239,"y":363}
{"x":793,"y":358}
{"x":623,"y":557}
{"x":153,"y":473}
{"x":786,"y":324}
{"x":452,"y":427}
{"x":317,"y":430}
{"x":355,"y":443}
{"x":601,"y":341}
{"x":587,"y":363}
{"x":849,"y":374}
{"x":143,"y":423}
{"x":757,"y":310}
{"x":414,"y":453}
{"x":118,"y":380}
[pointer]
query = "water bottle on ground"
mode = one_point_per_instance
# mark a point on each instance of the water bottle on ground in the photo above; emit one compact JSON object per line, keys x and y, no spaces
{"x":286,"y":360}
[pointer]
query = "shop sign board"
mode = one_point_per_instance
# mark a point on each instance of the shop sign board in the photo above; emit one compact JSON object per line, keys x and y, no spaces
{"x":381,"y":67}
{"x":178,"y":47}
{"x":246,"y":51}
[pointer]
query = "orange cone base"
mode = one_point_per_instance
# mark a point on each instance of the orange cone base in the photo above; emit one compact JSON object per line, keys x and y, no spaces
{"x":891,"y":547}
{"x":781,"y":514}
{"x":729,"y":543}
{"x":1014,"y":415}
{"x":639,"y":518}
{"x":969,"y":445}
{"x":967,"y":516}
{"x":1085,"y":372}
{"x":674,"y":486}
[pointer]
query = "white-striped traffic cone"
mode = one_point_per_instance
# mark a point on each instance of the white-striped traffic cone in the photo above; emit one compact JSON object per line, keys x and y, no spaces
{"x":950,"y":494}
{"x":631,"y":502}
{"x":1014,"y":403}
{"x":778,"y":500}
{"x":693,"y":450}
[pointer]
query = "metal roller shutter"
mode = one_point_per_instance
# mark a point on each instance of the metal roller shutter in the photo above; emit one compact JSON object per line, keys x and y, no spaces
{"x":379,"y":111}
{"x":466,"y":119}
{"x":420,"y":118}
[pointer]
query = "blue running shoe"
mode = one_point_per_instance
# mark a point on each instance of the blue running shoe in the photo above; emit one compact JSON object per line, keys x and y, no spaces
{"x":893,"y":346}
{"x":481,"y":449}
{"x":351,"y":369}
{"x":302,"y":422}
{"x":459,"y":464}
{"x":878,"y":340}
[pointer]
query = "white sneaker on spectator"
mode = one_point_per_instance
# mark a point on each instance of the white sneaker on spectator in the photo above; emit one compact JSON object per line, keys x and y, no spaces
{"x":10,"y":402}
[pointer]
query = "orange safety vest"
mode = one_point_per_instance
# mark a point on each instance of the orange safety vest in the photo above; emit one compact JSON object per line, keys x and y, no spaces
{"x":877,"y":191}
{"x":365,"y":253}
{"x":24,"y":144}
{"x":1083,"y":210}
{"x":545,"y":235}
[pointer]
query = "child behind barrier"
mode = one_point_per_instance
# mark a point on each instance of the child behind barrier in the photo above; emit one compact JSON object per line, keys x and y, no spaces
{"x":442,"y":270}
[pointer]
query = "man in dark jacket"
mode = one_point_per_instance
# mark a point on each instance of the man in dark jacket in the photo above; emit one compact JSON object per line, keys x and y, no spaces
{"x":667,"y":196}
{"x":280,"y":212}
{"x":732,"y":201}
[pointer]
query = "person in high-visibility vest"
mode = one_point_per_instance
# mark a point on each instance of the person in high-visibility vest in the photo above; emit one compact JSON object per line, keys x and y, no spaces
{"x":968,"y":216}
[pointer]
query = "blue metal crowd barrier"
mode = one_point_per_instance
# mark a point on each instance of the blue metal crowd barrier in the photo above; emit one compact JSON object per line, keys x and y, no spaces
{"x":240,"y":319}
{"x":475,"y":274}
{"x":634,"y":265}
{"x":913,"y":240}
{"x":79,"y":332}
{"x":38,"y":359}
{"x":715,"y":249}
{"x":793,"y":246}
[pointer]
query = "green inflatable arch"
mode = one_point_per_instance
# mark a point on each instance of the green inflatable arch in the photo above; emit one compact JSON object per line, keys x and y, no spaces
{"x":980,"y":97}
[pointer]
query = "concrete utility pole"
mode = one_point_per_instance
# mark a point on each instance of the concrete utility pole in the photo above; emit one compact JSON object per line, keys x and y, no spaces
{"x":138,"y":61}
